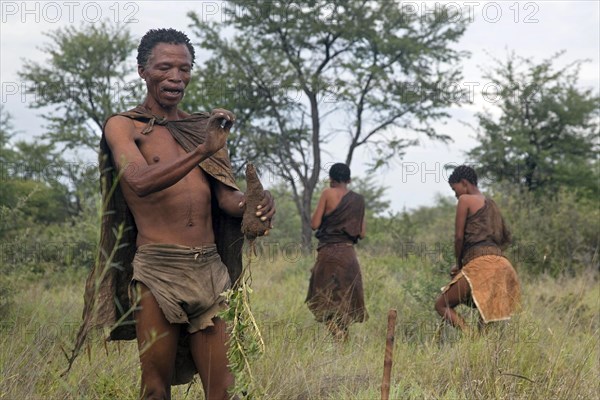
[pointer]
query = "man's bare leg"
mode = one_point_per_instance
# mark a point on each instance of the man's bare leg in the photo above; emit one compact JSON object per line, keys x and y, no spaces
{"x":459,"y":293}
{"x":157,"y":342}
{"x":209,"y":351}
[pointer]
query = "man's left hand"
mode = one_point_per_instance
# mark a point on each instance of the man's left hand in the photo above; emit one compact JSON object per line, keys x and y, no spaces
{"x":265,"y":210}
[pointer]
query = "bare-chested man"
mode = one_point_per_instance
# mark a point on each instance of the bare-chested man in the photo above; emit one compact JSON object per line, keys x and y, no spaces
{"x":177,"y":273}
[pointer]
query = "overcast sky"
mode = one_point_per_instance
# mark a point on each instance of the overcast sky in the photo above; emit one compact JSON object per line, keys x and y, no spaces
{"x":533,"y":29}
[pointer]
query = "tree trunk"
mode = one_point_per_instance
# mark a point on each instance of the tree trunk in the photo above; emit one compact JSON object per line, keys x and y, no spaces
{"x":303,"y":203}
{"x":305,"y":214}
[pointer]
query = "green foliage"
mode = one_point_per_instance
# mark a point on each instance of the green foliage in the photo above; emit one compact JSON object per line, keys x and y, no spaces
{"x":32,"y":192}
{"x":373,"y":194}
{"x":551,"y":234}
{"x":286,"y":222}
{"x":245,"y":342}
{"x":7,"y":131}
{"x":40,"y":229}
{"x":299,"y":74}
{"x":39,"y":204}
{"x":425,"y":231}
{"x":547,"y":134}
{"x":85,"y":80}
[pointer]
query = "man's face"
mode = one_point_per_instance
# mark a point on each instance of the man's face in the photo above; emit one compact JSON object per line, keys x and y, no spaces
{"x":167,"y":73}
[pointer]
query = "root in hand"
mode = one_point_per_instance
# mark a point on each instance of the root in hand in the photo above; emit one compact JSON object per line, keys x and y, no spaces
{"x":252,"y":226}
{"x":245,"y":343}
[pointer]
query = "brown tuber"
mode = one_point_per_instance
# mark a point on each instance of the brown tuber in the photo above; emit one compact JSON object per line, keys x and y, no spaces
{"x":252,"y":226}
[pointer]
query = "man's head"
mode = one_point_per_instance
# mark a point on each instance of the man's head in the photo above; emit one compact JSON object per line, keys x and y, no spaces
{"x":165,"y":59}
{"x":339,"y":173}
{"x":156,"y":36}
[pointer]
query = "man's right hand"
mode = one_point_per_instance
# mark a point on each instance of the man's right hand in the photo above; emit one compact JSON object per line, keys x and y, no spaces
{"x":219,"y":124}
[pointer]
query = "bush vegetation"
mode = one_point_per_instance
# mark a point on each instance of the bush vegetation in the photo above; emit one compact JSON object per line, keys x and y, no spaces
{"x":549,"y":351}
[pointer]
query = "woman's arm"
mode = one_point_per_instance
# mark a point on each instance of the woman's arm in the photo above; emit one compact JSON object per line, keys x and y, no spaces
{"x":317,"y":216}
{"x":363,"y":229}
{"x":462,"y":210}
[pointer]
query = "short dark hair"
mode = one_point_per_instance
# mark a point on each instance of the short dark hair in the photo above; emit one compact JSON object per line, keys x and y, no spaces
{"x":156,"y":36}
{"x":463,"y":172}
{"x":339,"y":172}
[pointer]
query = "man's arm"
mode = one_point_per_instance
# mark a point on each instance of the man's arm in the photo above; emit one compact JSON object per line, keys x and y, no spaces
{"x":462,"y":209}
{"x":232,"y":202}
{"x":146,"y":179}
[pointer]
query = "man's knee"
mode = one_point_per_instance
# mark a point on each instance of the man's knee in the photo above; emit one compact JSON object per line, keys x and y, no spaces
{"x":155,"y":392}
{"x":154,"y":387}
{"x":219,"y":392}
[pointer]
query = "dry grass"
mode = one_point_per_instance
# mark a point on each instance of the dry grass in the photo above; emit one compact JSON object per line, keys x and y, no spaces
{"x":550,"y":351}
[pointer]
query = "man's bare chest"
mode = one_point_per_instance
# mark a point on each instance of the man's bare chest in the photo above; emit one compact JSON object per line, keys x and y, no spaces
{"x":158,"y":145}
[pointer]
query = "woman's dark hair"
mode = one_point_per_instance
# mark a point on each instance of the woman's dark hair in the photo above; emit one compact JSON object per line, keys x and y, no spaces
{"x":463,"y":172}
{"x":340,"y":173}
{"x":156,"y":36}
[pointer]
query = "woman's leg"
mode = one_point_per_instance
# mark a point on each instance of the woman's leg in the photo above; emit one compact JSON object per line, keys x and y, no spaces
{"x":458,"y":293}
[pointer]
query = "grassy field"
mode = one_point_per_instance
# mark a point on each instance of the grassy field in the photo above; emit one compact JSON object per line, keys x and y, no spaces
{"x":550,"y":351}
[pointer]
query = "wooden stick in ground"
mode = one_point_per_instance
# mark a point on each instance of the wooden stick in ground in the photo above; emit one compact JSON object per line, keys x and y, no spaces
{"x":389,"y":352}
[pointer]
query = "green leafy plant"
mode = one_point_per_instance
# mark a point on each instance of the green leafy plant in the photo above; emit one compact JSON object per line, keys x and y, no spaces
{"x":245,"y":340}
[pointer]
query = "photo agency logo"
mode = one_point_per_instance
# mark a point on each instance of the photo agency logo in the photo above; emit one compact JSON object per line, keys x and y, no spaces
{"x":291,"y":252}
{"x":54,"y":12}
{"x":460,"y":92}
{"x":266,"y":250}
{"x":519,"y":252}
{"x":16,"y":255}
{"x":66,"y":172}
{"x":36,"y":332}
{"x":27,"y":92}
{"x":426,"y":172}
{"x":225,"y":12}
{"x":292,"y":92}
{"x":272,"y":173}
{"x":469,"y":11}
{"x":423,"y":329}
{"x":452,"y":11}
{"x":437,"y":172}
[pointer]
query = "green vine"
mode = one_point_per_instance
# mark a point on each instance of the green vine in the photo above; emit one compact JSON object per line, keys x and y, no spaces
{"x":245,"y":340}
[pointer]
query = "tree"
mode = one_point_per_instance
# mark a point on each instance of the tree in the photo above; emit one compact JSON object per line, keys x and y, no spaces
{"x":7,"y":154}
{"x":85,"y":80}
{"x":299,"y":74}
{"x":547,"y":133}
{"x":32,"y":192}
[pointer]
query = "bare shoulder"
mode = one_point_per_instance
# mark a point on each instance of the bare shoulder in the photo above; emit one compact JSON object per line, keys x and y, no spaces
{"x":472,"y":202}
{"x":326,"y":193}
{"x":119,"y":127}
{"x":468,"y":198}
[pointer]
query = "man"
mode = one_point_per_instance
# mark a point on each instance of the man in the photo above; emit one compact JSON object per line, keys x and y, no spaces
{"x":335,"y":293}
{"x":174,"y":184}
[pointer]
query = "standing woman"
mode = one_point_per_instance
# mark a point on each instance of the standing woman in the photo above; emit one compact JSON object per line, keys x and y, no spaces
{"x":482,"y":276}
{"x":335,"y":292}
